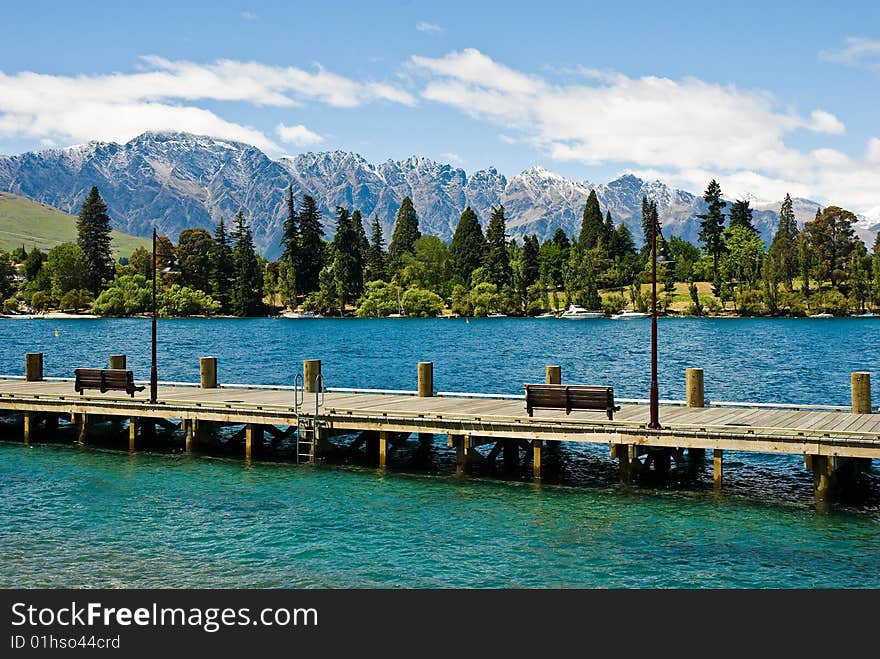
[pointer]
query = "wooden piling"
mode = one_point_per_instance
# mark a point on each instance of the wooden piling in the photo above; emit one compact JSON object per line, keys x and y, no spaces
{"x":117,"y":361}
{"x":383,"y":449}
{"x":82,"y":423}
{"x":694,"y":397}
{"x":553,"y":375}
{"x":132,"y":433}
{"x":33,"y":366}
{"x":426,"y":379}
{"x":208,"y":372}
{"x":717,"y":468}
{"x":28,"y":420}
{"x":536,"y":458}
{"x":311,"y":371}
{"x":253,"y":439}
{"x":861,"y":393}
{"x":189,"y":429}
{"x":460,"y":459}
{"x":824,"y":476}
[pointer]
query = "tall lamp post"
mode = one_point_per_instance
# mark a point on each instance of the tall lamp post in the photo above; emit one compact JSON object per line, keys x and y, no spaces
{"x":654,"y":416}
{"x":154,"y":374}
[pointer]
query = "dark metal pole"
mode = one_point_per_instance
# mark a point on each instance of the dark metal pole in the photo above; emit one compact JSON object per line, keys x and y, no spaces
{"x":654,"y":422}
{"x":154,"y":378}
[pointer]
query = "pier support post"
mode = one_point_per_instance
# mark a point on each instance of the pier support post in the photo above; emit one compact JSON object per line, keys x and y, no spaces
{"x":627,"y":462}
{"x":28,"y":422}
{"x":82,"y":423}
{"x":824,"y":476}
{"x":311,"y":371}
{"x":694,"y":397}
{"x":426,"y":390}
{"x":117,"y":361}
{"x":383,"y":449}
{"x":553,"y":375}
{"x":208,"y":372}
{"x":861,"y":393}
{"x":33,"y":366}
{"x":253,"y":439}
{"x":460,"y":457}
{"x":537,"y":444}
{"x":132,"y":433}
{"x":717,"y":468}
{"x":189,"y":430}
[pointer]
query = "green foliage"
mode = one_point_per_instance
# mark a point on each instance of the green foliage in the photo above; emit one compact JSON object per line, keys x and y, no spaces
{"x":194,"y":258}
{"x":744,"y":255}
{"x":613,"y":303}
{"x":68,"y":268}
{"x":484,"y":298}
{"x":290,"y":258}
{"x":376,"y":266}
{"x":93,"y":238}
{"x":222,"y":268}
{"x":40,"y":301}
{"x":712,"y":225}
{"x":427,"y":266}
{"x":461,"y":301}
{"x":422,"y":303}
{"x":325,"y":300}
{"x":467,"y":249}
{"x":11,"y":305}
{"x":696,"y":305}
{"x":591,"y":223}
{"x":551,"y":262}
{"x":311,"y":257}
{"x":741,"y":215}
{"x":76,"y":299}
{"x":246,"y":297}
{"x":531,"y":265}
{"x":830,"y":239}
{"x":380,"y":299}
{"x":33,"y":263}
{"x":183,"y":301}
{"x":126,"y":296}
{"x":348,"y":255}
{"x":406,"y":232}
{"x":496,"y":260}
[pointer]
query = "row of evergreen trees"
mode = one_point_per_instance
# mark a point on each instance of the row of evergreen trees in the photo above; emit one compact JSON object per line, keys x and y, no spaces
{"x":823,"y":266}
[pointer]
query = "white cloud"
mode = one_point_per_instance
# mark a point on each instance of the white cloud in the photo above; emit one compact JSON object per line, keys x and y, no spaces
{"x":873,"y":152}
{"x":453,"y":158}
{"x":687,"y":130}
{"x":162,"y":96}
{"x":298,"y":135}
{"x":857,"y":51}
{"x":430,"y":28}
{"x":249,"y":16}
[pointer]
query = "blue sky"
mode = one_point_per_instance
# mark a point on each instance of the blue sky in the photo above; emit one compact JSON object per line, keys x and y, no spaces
{"x":766,"y":96}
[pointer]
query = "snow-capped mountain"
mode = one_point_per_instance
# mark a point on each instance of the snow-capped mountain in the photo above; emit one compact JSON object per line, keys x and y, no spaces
{"x":177,"y":180}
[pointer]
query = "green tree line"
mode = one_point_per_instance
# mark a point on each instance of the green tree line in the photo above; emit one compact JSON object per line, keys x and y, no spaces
{"x":823,"y":267}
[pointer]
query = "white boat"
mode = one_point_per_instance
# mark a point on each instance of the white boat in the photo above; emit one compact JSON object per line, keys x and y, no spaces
{"x":497,"y":315}
{"x":866,"y":315}
{"x":576,"y":312}
{"x":547,"y":314}
{"x":395,"y":315}
{"x":822,"y":315}
{"x":630,"y":315}
{"x":298,"y":314}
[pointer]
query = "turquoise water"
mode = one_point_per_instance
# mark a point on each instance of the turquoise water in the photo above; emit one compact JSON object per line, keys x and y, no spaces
{"x":93,"y":518}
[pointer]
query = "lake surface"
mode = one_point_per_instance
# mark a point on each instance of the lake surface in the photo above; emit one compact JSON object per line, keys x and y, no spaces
{"x":91,"y":517}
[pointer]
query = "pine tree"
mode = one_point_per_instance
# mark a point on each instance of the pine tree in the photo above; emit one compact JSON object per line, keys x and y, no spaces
{"x":831,"y":240}
{"x":406,"y":232}
{"x":347,"y":258}
{"x":646,"y":221}
{"x":221,"y":268}
{"x":467,"y":247}
{"x":607,"y":236}
{"x":712,"y":226}
{"x":375,"y":266}
{"x":93,"y":238}
{"x":311,"y":247}
{"x":875,"y":270}
{"x":591,"y":225}
{"x":290,"y":257}
{"x":496,"y":260}
{"x":531,"y":266}
{"x":741,"y":215}
{"x":247,"y":282}
{"x":783,"y":249}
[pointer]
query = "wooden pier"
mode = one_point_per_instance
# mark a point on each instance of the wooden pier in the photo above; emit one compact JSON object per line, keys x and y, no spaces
{"x":836,"y":442}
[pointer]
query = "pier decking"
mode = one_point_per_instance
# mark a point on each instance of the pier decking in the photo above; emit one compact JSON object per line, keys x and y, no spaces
{"x":829,"y":438}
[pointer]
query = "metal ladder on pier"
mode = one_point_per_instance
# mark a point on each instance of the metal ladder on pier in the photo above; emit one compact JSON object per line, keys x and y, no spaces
{"x":306,"y":433}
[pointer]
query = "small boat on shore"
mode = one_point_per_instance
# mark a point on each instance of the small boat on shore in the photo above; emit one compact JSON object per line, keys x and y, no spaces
{"x":547,"y":314}
{"x":497,"y":315}
{"x":822,"y":315}
{"x":630,"y":315}
{"x":576,"y":312}
{"x":298,"y":314}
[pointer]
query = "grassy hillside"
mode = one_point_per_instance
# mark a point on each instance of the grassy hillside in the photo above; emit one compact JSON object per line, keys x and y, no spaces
{"x":28,"y":223}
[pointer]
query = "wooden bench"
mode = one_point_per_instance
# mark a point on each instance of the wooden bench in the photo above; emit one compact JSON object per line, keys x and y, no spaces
{"x":105,"y":379}
{"x":570,"y":397}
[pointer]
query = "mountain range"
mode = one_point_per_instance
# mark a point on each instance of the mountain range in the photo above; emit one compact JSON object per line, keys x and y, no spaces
{"x":176,"y":181}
